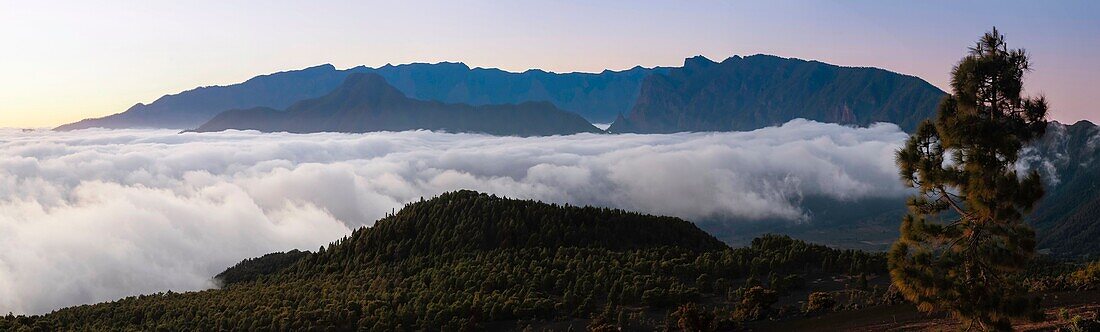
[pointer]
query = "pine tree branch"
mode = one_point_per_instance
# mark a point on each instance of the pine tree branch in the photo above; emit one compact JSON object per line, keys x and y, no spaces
{"x":946,"y":197}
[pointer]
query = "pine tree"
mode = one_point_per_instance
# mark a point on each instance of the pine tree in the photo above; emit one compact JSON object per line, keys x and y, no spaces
{"x":965,"y":239}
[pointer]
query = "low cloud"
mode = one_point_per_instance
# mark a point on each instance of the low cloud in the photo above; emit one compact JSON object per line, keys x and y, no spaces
{"x":96,"y":215}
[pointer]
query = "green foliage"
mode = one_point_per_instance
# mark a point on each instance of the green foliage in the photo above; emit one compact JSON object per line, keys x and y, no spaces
{"x":819,"y":302}
{"x":965,"y":239}
{"x":1088,"y":275}
{"x":755,"y":304}
{"x":690,"y":317}
{"x":467,"y":261}
{"x":253,"y":268}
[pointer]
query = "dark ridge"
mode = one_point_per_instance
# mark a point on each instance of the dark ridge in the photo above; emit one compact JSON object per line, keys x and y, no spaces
{"x":596,"y":97}
{"x":464,"y":221}
{"x":191,"y":108}
{"x":763,"y":90}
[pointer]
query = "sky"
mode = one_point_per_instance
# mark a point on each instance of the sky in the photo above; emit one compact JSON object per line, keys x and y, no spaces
{"x":64,"y":61}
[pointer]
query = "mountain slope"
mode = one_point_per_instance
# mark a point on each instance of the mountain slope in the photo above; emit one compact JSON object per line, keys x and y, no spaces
{"x":762,"y":90}
{"x":1067,"y":219}
{"x":737,"y":94}
{"x":471,"y":261}
{"x":597,"y":97}
{"x":191,"y":108}
{"x":366,"y":103}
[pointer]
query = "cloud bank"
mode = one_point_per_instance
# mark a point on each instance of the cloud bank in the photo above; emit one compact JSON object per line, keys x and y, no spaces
{"x":96,"y":215}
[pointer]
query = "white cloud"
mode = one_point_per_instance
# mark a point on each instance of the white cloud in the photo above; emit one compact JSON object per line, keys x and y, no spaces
{"x":95,"y":215}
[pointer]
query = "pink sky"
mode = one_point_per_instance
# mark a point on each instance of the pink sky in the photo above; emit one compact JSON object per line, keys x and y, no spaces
{"x":64,"y":61}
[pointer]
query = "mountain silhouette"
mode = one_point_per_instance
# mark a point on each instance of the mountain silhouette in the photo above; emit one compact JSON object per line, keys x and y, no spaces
{"x":598,"y":97}
{"x":367,"y":103}
{"x":746,"y":93}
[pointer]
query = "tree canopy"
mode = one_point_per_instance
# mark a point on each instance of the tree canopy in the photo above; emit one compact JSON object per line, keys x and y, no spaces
{"x":470,"y":261}
{"x":965,"y":237}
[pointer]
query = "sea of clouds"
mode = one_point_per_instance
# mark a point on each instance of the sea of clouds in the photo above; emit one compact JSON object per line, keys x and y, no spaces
{"x":96,"y":215}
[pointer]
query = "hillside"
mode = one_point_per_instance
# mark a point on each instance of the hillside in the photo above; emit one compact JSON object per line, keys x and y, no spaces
{"x":1067,"y":219}
{"x":366,"y":103}
{"x":466,"y":260}
{"x":745,"y":93}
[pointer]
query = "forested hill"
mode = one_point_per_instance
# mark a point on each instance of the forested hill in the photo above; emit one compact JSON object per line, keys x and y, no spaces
{"x":471,"y":261}
{"x":746,"y":93}
{"x":366,"y":103}
{"x":466,"y":221}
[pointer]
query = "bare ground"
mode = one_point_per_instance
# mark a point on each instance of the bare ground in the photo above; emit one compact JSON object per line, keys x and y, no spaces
{"x":905,"y":317}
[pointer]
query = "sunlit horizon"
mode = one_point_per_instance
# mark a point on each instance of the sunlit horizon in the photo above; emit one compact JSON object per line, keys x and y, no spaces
{"x":68,"y":61}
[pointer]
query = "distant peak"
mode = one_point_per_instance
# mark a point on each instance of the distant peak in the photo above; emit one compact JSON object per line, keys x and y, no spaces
{"x":698,"y":61}
{"x":454,"y":64}
{"x":327,"y":66}
{"x":367,"y":85}
{"x":1086,"y":123}
{"x":136,"y":107}
{"x":444,"y":64}
{"x":358,"y":79}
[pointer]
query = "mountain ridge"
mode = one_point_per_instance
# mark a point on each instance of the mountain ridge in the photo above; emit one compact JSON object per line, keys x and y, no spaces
{"x":745,"y":93}
{"x":193,"y":107}
{"x":187,"y":109}
{"x":603,"y":97}
{"x":365,"y":102}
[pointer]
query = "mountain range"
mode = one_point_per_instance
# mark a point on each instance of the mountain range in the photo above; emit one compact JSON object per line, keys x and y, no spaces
{"x":366,"y":103}
{"x":740,"y":93}
{"x":598,"y":97}
{"x":189,"y":109}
